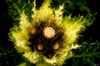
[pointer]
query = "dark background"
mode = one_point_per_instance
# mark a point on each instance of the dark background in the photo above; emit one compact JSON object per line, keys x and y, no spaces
{"x":10,"y":57}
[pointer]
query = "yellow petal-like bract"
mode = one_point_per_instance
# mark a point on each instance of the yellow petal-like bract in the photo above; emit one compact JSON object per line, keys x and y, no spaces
{"x":71,"y":27}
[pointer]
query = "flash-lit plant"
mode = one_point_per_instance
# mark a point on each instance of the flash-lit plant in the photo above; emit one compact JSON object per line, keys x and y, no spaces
{"x":49,"y":37}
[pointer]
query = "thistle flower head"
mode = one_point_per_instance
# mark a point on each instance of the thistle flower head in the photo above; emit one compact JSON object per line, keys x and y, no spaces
{"x":49,"y":37}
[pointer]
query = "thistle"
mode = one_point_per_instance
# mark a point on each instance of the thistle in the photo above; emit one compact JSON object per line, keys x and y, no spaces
{"x":49,"y":37}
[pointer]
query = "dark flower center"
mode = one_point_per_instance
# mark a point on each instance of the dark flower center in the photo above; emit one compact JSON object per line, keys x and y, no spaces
{"x":47,"y":39}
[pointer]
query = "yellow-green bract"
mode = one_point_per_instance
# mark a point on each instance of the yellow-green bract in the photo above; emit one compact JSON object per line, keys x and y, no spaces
{"x":72,"y":26}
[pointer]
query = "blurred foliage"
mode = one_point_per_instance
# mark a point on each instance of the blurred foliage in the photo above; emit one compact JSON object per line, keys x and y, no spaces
{"x":87,"y":55}
{"x":73,"y":7}
{"x":79,"y":7}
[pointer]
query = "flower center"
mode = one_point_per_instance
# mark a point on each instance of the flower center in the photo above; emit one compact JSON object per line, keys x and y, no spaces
{"x":49,"y":32}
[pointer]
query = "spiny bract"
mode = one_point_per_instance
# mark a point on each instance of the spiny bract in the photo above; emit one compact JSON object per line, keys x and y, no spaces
{"x":49,"y":37}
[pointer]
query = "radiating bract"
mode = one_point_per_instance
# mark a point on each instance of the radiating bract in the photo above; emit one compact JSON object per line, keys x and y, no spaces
{"x":49,"y":37}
